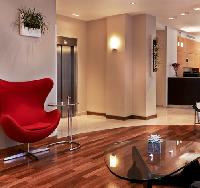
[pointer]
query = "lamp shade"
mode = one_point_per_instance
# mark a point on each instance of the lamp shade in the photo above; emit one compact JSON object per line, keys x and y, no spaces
{"x":114,"y":42}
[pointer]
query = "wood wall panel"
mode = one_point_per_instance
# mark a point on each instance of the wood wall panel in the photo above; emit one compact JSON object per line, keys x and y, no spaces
{"x":180,"y":58}
{"x":190,"y":50}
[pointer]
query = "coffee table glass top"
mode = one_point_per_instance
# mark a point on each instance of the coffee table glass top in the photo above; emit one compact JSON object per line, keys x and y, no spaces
{"x":143,"y":161}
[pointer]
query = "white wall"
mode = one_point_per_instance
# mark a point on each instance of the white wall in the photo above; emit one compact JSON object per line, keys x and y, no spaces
{"x":171,"y":55}
{"x":171,"y":50}
{"x":25,"y":58}
{"x":74,"y":28}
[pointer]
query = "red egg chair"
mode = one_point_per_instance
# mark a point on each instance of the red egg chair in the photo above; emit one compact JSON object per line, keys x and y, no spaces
{"x":22,"y":114}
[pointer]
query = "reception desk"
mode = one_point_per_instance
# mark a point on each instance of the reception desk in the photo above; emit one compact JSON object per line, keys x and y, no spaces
{"x":183,"y":91}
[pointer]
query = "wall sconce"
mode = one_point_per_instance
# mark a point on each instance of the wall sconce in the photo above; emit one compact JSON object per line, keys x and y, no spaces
{"x":114,"y":43}
{"x":180,"y":44}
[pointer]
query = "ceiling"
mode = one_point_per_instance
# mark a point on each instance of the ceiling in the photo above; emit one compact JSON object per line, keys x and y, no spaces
{"x":162,"y":9}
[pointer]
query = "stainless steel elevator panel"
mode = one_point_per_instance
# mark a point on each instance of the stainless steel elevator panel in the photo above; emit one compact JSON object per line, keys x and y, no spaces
{"x":66,"y":72}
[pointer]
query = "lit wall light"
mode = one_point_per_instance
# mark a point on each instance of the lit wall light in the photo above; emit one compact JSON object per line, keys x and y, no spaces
{"x":196,"y":8}
{"x":132,"y":3}
{"x":171,"y":18}
{"x":178,"y":142}
{"x":115,"y":43}
{"x":113,"y":161}
{"x":74,"y":14}
{"x":182,"y":45}
{"x":184,"y":13}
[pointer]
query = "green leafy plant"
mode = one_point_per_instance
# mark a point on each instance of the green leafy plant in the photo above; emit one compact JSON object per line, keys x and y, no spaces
{"x":33,"y":19}
{"x":155,"y":55}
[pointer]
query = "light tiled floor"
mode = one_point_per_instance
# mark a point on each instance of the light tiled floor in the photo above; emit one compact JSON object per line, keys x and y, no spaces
{"x":166,"y":116}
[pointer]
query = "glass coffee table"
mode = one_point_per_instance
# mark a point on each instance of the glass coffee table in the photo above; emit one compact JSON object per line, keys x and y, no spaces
{"x":144,"y":162}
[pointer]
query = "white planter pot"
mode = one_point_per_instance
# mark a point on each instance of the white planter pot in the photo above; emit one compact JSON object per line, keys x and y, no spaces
{"x":25,"y":31}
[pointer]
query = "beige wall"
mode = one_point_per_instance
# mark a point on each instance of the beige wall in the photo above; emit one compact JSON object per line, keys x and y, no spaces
{"x":123,"y":78}
{"x":96,"y":62}
{"x":115,"y":68}
{"x":26,"y":58}
{"x":119,"y":67}
{"x":144,"y":80}
{"x":139,"y":67}
{"x":129,"y":66}
{"x":161,"y":73}
{"x":69,"y":27}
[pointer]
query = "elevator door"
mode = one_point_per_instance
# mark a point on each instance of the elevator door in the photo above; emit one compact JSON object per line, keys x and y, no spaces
{"x":66,"y":73}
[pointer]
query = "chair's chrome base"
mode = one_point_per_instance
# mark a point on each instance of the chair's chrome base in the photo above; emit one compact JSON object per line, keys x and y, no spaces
{"x":30,"y":154}
{"x":73,"y":145}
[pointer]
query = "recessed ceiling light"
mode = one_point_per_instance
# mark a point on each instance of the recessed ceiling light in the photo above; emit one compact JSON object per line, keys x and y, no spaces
{"x":184,"y":13}
{"x":171,"y":18}
{"x":196,"y":8}
{"x":74,"y":14}
{"x":132,"y":3}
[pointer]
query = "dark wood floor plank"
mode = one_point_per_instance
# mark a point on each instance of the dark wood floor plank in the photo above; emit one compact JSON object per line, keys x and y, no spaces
{"x":84,"y":168}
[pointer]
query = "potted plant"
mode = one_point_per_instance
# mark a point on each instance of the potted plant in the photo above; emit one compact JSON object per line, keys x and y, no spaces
{"x":155,"y":55}
{"x":176,"y":66}
{"x":32,"y":22}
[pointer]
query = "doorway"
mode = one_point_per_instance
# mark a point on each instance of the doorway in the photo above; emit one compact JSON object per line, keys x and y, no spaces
{"x":66,"y":72}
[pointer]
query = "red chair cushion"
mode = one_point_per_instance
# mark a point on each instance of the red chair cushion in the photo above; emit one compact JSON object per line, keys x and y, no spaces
{"x":22,"y":114}
{"x":37,"y":126}
{"x":24,"y":101}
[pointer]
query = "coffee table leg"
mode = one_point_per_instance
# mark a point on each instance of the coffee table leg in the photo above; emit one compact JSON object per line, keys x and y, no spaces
{"x":147,"y":184}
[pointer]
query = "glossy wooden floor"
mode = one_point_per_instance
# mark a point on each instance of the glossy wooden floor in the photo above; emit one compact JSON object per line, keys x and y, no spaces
{"x":84,"y":168}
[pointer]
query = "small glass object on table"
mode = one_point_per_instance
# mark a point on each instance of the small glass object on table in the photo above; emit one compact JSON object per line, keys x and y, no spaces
{"x":154,"y":144}
{"x":73,"y":145}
